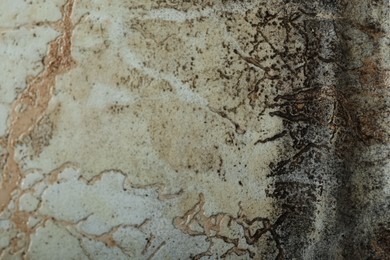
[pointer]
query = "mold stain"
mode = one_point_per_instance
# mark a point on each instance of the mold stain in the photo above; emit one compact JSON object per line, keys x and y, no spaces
{"x":224,"y":129}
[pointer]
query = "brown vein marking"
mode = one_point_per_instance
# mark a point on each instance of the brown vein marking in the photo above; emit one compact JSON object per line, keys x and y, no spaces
{"x":149,"y":242}
{"x":157,"y":249}
{"x":195,"y":223}
{"x":28,"y":109}
{"x":272,"y":138}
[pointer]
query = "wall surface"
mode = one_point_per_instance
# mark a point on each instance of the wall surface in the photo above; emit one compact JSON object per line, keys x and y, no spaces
{"x":194,"y":129}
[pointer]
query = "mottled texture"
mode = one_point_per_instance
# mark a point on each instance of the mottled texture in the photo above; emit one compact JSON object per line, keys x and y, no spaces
{"x":167,"y":129}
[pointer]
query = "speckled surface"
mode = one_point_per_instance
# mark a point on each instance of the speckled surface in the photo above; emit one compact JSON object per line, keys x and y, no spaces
{"x":197,"y":129}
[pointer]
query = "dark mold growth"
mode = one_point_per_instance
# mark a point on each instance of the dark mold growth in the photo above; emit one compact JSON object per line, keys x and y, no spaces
{"x":335,"y":141}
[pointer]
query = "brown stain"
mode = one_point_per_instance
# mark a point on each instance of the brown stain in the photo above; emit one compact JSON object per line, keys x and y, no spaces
{"x":21,"y":219}
{"x":107,"y":238}
{"x":54,"y":175}
{"x":28,"y":109}
{"x":179,"y":136}
{"x":41,"y":135}
{"x":371,"y":130}
{"x":369,"y":72}
{"x":381,"y":244}
{"x":376,"y":85}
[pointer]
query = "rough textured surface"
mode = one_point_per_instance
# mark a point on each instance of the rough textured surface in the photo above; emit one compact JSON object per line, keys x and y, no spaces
{"x":199,"y":129}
